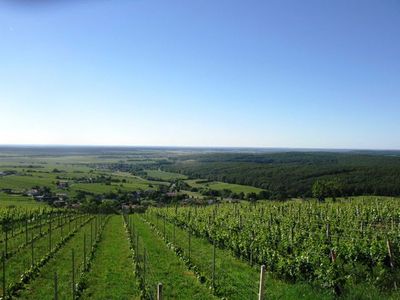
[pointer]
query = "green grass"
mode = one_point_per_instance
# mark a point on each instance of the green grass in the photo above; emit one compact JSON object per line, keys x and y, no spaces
{"x":164,"y":266}
{"x":163,"y":175}
{"x":18,"y":201}
{"x":112,"y":274}
{"x":219,"y":186}
{"x":101,"y":188}
{"x":20,"y":183}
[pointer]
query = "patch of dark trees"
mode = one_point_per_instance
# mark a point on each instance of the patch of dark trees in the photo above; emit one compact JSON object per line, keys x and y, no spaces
{"x":293,"y":174}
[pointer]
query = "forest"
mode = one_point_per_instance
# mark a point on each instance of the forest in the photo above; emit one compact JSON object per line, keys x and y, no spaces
{"x":293,"y":174}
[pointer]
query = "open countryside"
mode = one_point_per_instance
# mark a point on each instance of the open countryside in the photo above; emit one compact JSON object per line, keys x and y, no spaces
{"x":200,"y":150}
{"x":81,"y":227}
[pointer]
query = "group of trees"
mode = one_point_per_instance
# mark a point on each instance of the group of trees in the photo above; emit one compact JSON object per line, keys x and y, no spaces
{"x":293,"y":174}
{"x":326,"y":188}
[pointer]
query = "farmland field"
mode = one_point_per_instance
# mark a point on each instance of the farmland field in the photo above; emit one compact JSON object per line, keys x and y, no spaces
{"x":163,"y":175}
{"x":219,"y":186}
{"x":9,"y":201}
{"x":131,"y":227}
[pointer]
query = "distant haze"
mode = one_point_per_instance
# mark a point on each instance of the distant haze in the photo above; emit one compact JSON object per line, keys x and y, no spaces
{"x":286,"y":74}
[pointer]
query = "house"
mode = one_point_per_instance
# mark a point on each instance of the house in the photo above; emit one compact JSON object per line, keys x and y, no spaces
{"x":171,"y":194}
{"x":76,"y":205}
{"x":32,"y":192}
{"x":231,"y":200}
{"x":59,"y":203}
{"x":130,"y":208}
{"x":62,"y":184}
{"x":39,"y":198}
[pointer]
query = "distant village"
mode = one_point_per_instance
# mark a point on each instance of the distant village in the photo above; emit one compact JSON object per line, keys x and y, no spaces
{"x":120,"y":200}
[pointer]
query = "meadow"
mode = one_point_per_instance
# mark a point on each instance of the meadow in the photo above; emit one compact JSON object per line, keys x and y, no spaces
{"x":220,"y":186}
{"x":163,"y":175}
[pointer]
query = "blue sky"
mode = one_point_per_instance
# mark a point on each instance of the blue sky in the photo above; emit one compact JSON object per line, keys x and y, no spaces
{"x":201,"y":73}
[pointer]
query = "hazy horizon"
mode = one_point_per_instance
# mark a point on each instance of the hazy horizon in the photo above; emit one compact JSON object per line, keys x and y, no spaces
{"x":276,"y":74}
{"x":261,"y":149}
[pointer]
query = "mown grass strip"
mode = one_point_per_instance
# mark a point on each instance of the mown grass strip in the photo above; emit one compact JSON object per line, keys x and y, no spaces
{"x":112,"y":273}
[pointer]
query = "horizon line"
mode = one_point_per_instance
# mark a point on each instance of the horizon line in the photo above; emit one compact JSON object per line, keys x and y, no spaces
{"x":193,"y":147}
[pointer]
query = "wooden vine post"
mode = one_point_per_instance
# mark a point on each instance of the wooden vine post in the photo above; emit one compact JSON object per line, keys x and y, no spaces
{"x":95,"y":226}
{"x":391,"y":257}
{"x":55,"y":286}
{"x":91,"y":231}
{"x":137,"y":246}
{"x":164,"y":227}
{"x":84,"y":250}
{"x":174,"y":231}
{"x":390,"y":253}
{"x":32,"y":254}
{"x":73,"y":274}
{"x":61,"y":227}
{"x":328,"y":232}
{"x":40,"y":225}
{"x":213,"y":267}
{"x":262,"y":283}
{"x":26,"y":230}
{"x":159,"y":291}
{"x":50,"y":235}
{"x":4,"y":275}
{"x":190,"y":243}
{"x":6,"y":243}
{"x":144,"y":267}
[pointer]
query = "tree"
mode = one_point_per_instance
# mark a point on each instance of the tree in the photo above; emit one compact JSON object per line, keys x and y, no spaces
{"x":320,"y":190}
{"x":326,"y":188}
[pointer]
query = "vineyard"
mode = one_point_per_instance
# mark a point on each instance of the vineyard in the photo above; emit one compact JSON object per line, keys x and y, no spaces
{"x":318,"y":250}
{"x":38,"y":244}
{"x":118,"y":235}
{"x":334,"y":246}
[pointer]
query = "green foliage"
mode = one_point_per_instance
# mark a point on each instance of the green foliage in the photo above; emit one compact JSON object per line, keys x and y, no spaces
{"x":293,"y":174}
{"x":333,"y":244}
{"x":322,"y":189}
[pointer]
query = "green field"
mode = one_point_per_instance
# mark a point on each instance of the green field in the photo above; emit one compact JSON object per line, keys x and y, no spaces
{"x":219,"y":186}
{"x":163,"y":175}
{"x":112,"y":275}
{"x":9,"y":201}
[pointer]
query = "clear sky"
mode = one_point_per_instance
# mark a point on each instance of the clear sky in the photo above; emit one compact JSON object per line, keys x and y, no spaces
{"x":201,"y":73}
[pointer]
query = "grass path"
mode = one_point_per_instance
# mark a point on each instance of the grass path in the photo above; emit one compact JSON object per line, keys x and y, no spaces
{"x":112,"y":274}
{"x":165,"y":267}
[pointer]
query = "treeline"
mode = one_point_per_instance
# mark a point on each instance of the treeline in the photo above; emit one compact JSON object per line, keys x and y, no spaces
{"x":293,"y":174}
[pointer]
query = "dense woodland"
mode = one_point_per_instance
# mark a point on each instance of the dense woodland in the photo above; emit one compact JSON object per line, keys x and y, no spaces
{"x":293,"y":174}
